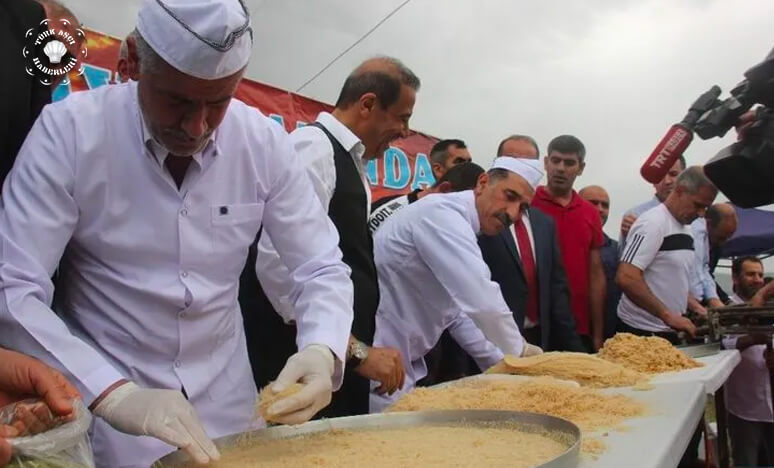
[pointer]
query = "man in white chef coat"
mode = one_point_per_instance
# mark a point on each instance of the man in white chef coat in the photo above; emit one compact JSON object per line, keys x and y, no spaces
{"x":150,"y":193}
{"x":432,"y":276}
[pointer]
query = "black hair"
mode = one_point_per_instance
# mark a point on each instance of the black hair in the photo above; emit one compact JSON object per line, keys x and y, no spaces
{"x":384,"y":84}
{"x":439,"y":151}
{"x":568,"y":144}
{"x":736,"y":265}
{"x":462,"y":176}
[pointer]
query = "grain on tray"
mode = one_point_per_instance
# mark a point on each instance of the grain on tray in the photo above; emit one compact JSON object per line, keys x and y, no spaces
{"x":267,"y":397}
{"x":588,"y":408}
{"x":501,"y":445}
{"x":587,"y":370}
{"x":648,"y":354}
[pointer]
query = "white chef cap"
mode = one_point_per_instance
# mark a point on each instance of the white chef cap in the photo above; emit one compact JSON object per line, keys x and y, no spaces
{"x":529,"y":169}
{"x":206,"y":39}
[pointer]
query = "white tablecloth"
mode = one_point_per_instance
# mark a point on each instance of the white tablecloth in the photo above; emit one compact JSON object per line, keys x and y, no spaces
{"x":657,"y":440}
{"x":713,"y":375}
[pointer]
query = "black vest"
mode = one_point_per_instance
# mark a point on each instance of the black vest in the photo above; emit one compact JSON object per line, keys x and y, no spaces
{"x":270,"y":342}
{"x":349,"y":212}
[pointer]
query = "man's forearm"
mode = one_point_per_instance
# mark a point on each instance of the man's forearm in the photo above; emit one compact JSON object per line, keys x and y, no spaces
{"x":639,"y":293}
{"x":597,"y":303}
{"x":597,"y":286}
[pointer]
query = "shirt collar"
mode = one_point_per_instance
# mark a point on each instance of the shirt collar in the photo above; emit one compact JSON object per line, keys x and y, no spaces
{"x":468,"y":197}
{"x":158,"y":151}
{"x":342,"y":134}
{"x":543,"y":194}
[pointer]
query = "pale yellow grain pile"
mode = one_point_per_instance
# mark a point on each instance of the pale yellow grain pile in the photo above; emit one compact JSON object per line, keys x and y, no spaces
{"x":586,"y":407}
{"x":433,"y":446}
{"x":587,"y":370}
{"x":649,"y":354}
{"x":267,"y":397}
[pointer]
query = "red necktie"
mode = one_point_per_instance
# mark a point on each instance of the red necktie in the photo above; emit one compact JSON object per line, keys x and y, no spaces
{"x":528,"y":264}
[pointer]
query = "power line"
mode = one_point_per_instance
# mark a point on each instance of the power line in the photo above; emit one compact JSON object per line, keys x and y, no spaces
{"x":353,"y":45}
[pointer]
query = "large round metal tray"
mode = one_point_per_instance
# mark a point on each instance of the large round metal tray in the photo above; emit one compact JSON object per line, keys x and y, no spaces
{"x":527,"y":422}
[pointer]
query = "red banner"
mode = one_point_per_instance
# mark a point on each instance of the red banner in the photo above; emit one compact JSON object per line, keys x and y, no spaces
{"x":404,"y":167}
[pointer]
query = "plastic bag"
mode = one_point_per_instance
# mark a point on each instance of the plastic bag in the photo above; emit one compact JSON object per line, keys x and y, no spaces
{"x":63,"y":446}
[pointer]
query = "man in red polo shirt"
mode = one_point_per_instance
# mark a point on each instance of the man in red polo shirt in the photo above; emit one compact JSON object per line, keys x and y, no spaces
{"x":580,"y":236}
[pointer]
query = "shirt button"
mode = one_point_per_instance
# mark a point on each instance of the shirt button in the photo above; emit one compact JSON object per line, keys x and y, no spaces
{"x":184,"y":274}
{"x":182,"y":314}
{"x":178,"y":364}
{"x":183,"y":212}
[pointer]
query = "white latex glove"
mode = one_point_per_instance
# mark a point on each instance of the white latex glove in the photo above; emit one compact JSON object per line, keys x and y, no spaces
{"x":313,"y":367}
{"x":530,"y":350}
{"x":163,"y":414}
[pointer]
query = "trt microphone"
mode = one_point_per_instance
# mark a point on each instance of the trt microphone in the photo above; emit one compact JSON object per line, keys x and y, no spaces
{"x":677,"y":139}
{"x":674,"y":143}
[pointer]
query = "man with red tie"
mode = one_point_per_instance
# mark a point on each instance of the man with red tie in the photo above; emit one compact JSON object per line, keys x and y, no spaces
{"x":525,"y":261}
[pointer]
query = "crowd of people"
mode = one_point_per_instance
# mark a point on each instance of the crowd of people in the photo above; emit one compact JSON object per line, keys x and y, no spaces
{"x":166,"y":250}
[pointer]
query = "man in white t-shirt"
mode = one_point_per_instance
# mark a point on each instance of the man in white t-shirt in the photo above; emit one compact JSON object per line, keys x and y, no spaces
{"x":655,"y":266}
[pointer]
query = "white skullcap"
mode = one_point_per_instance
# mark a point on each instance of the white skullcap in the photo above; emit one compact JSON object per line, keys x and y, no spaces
{"x":530,"y":169}
{"x":206,"y":39}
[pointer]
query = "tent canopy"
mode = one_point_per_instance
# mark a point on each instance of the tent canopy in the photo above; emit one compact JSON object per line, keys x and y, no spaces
{"x":753,"y":236}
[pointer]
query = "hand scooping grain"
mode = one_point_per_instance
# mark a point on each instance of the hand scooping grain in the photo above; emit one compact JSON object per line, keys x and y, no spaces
{"x":267,"y":398}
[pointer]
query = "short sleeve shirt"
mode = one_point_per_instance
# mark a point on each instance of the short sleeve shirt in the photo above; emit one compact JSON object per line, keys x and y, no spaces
{"x":663,"y":249}
{"x":579,"y":228}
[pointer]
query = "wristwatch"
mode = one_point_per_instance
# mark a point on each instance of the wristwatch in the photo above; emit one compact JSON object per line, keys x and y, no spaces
{"x":357,"y":352}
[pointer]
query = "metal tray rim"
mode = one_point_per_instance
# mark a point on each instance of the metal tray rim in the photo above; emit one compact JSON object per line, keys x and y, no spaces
{"x":568,"y":459}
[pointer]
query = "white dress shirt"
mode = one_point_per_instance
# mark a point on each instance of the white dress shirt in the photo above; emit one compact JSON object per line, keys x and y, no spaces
{"x":149,"y":273}
{"x":512,"y":230}
{"x":315,"y":152}
{"x":432,"y":277}
{"x":703,"y":286}
{"x":748,"y":388}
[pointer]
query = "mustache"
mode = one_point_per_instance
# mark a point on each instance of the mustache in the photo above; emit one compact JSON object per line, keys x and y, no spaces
{"x":504,"y":218}
{"x":183,"y":136}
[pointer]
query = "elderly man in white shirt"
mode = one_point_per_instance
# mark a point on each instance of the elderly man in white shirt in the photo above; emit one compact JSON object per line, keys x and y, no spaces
{"x":150,"y":193}
{"x":432,"y":276}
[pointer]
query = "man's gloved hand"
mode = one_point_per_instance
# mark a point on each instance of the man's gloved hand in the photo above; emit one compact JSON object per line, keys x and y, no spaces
{"x":313,"y":367}
{"x":163,"y":414}
{"x":499,"y":368}
{"x":530,"y":350}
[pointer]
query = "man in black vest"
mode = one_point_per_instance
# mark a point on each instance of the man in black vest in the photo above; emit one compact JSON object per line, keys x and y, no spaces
{"x":537,"y":293}
{"x":373,"y":109}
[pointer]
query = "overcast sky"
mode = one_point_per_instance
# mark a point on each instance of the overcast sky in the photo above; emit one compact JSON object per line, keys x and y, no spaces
{"x":616,"y":74}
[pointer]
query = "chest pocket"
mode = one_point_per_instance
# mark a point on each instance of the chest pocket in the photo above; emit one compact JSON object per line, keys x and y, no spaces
{"x":234,"y":227}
